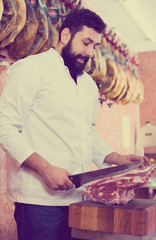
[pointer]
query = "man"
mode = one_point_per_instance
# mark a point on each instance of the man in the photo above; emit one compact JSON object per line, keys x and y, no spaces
{"x":47,"y":117}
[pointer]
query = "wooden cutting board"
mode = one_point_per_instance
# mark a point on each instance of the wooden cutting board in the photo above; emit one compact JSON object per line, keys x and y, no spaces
{"x":138,"y":217}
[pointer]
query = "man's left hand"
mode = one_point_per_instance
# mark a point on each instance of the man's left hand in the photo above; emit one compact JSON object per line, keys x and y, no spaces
{"x":115,"y":158}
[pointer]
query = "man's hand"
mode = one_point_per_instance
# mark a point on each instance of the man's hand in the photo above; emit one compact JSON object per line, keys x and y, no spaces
{"x":115,"y":158}
{"x":56,"y":178}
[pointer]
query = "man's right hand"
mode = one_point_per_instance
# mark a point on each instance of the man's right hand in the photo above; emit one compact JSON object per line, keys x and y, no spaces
{"x":56,"y":178}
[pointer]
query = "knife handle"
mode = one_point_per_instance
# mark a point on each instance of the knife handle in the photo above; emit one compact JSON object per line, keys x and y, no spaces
{"x":75,"y":180}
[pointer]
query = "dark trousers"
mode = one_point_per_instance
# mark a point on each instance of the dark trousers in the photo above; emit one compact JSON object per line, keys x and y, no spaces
{"x":35,"y":222}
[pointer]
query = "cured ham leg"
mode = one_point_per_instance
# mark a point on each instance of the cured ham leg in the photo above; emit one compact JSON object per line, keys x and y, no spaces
{"x":1,"y":9}
{"x":52,"y":34}
{"x":19,"y":24}
{"x":42,"y":31}
{"x":8,"y":19}
{"x":24,"y":40}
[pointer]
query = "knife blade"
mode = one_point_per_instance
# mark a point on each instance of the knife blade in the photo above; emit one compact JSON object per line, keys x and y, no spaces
{"x":83,"y":178}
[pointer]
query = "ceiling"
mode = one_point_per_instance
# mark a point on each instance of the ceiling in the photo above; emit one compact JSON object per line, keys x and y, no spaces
{"x":126,"y":24}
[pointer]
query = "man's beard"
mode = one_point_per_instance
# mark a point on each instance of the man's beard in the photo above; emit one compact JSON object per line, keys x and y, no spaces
{"x":70,"y":60}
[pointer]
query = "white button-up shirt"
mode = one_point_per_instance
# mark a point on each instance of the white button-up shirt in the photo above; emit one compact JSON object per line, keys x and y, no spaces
{"x":42,"y":110}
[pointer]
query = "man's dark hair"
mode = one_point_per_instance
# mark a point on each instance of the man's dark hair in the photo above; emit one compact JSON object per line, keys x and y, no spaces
{"x":78,"y":18}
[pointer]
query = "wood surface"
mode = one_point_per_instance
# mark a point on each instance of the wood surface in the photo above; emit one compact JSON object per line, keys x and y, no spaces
{"x":138,"y":217}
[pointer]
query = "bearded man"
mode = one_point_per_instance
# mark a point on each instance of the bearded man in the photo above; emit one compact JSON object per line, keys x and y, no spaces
{"x":48,"y":112}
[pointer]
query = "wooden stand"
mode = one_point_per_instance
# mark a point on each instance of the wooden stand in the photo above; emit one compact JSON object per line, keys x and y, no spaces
{"x":91,"y":235}
{"x":91,"y":220}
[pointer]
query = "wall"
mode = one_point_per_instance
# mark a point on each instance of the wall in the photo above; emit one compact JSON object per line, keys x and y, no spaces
{"x":119,"y":125}
{"x":148,"y":75}
{"x":7,"y":223}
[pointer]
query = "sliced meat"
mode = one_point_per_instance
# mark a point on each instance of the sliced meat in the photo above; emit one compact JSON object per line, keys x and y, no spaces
{"x":24,"y":40}
{"x":8,"y":19}
{"x":20,"y":22}
{"x":119,"y":189}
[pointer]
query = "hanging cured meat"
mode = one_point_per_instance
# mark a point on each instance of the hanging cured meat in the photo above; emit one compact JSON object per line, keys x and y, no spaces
{"x":112,"y":84}
{"x":127,"y":97}
{"x":100,"y":68}
{"x":119,"y":85}
{"x":52,"y":37}
{"x":138,"y":92}
{"x":110,"y":79}
{"x":105,"y":42}
{"x":123,"y":86}
{"x":28,"y":27}
{"x":42,"y":31}
{"x":54,"y":13}
{"x":1,"y":9}
{"x":135,"y":91}
{"x":19,"y":24}
{"x":8,"y":19}
{"x":24,"y":40}
{"x":88,"y":66}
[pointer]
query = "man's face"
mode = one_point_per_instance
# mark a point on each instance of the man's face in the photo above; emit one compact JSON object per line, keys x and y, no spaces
{"x":79,"y":49}
{"x":71,"y":60}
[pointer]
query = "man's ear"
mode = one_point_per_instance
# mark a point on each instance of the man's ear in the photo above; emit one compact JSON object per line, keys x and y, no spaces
{"x":65,"y":36}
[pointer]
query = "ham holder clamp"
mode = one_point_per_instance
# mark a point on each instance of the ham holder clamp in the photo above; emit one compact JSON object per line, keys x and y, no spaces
{"x":83,"y":178}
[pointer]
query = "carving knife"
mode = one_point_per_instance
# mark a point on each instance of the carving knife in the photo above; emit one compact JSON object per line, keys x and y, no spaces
{"x":83,"y":178}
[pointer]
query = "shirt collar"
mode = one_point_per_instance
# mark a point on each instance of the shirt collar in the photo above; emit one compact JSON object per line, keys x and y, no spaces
{"x":56,"y":55}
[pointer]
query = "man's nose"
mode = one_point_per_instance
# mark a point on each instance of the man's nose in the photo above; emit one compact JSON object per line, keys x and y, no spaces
{"x":90,"y":51}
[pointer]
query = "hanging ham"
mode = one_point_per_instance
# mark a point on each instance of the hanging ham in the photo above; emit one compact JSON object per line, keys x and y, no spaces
{"x":42,"y":31}
{"x":1,"y":9}
{"x":8,"y":19}
{"x":24,"y":40}
{"x":19,"y":24}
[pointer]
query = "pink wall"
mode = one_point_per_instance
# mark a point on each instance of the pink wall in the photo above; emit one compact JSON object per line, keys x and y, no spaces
{"x":7,"y":223}
{"x":110,"y":126}
{"x":109,"y":122}
{"x":148,"y":75}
